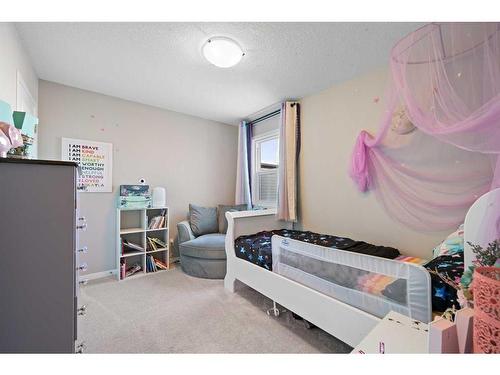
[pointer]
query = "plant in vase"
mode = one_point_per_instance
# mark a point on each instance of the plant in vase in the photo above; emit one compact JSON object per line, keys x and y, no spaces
{"x":485,"y":257}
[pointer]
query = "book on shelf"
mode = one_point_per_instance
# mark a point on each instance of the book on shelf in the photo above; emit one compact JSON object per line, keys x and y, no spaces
{"x":159,"y":221}
{"x":154,"y":265}
{"x":132,"y":270}
{"x":150,"y":264}
{"x":160,"y":264}
{"x":128,"y":246}
{"x":123,"y":266}
{"x":155,"y":244}
{"x":151,"y":244}
{"x":159,"y":242}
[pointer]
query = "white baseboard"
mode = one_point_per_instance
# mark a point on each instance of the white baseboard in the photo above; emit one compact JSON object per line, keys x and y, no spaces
{"x":98,"y":275}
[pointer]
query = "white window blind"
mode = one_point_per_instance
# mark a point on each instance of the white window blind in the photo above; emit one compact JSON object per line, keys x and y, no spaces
{"x":265,"y":164}
{"x":268,"y":186}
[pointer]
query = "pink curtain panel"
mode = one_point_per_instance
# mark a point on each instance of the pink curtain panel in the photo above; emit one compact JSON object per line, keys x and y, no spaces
{"x":437,"y":149}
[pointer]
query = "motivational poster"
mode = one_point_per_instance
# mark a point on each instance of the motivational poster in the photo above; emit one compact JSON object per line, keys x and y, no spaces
{"x":95,"y":160}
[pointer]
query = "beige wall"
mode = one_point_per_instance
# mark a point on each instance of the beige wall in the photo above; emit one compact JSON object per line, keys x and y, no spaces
{"x":195,"y":159}
{"x":329,"y":201}
{"x":13,"y":58}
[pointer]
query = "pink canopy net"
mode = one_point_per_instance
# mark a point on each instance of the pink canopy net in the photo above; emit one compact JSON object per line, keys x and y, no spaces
{"x":438,"y":146}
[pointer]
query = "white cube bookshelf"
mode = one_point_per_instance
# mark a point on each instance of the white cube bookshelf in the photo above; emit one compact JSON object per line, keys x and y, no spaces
{"x":132,"y":225}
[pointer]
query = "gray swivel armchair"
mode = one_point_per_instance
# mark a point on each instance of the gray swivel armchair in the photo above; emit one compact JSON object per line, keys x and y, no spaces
{"x":203,"y":256}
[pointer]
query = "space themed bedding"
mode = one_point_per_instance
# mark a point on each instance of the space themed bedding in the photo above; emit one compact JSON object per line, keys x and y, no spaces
{"x":374,"y":292}
{"x":448,"y":261}
{"x":256,"y":248}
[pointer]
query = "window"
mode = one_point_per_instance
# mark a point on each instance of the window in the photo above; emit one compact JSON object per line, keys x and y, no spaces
{"x":265,"y":163}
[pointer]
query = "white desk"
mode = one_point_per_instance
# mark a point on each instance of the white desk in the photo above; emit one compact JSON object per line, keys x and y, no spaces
{"x":396,"y":333}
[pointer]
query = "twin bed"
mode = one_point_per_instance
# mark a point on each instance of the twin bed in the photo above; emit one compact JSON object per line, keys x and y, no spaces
{"x":343,"y":286}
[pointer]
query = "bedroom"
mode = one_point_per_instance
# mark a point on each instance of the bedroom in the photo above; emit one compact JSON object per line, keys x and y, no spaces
{"x":227,"y":202}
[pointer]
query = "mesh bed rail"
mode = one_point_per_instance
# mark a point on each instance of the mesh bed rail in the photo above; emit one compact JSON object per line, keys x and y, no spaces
{"x":372,"y":284}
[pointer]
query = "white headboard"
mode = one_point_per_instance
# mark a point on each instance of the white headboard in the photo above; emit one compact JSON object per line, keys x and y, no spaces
{"x":474,"y":231}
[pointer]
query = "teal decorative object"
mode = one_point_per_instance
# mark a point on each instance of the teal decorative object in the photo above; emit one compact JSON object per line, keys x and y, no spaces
{"x":135,"y":202}
{"x":25,"y":122}
{"x":134,"y":196}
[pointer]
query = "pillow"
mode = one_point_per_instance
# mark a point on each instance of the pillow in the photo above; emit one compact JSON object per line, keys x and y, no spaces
{"x":222,"y":214}
{"x":453,"y":244}
{"x":203,"y":220}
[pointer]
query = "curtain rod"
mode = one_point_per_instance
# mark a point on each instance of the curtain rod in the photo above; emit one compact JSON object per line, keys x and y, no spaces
{"x":265,"y":117}
{"x":268,"y":115}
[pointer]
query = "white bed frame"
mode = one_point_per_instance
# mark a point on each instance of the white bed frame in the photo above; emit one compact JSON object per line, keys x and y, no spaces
{"x":341,"y":320}
{"x":485,"y":207}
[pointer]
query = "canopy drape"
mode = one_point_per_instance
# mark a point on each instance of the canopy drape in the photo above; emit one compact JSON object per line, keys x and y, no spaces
{"x":437,"y":149}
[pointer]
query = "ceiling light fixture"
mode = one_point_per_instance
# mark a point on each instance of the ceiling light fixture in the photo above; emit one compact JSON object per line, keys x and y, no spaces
{"x":222,"y":52}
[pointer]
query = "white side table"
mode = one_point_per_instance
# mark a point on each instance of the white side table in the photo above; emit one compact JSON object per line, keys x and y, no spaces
{"x":396,"y":333}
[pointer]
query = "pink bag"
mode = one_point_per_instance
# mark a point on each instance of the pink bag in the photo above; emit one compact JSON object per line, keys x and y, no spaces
{"x":10,"y":137}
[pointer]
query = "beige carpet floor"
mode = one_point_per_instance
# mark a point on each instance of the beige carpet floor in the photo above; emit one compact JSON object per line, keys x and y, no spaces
{"x":170,"y":312}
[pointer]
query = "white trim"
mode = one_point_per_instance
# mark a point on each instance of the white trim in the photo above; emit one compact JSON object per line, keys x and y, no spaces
{"x":273,"y":134}
{"x":256,"y":213}
{"x":264,"y":111}
{"x":22,"y":83}
{"x":97,"y":275}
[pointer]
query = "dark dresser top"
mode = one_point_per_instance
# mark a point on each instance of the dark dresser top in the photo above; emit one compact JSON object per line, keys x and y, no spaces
{"x":38,"y":161}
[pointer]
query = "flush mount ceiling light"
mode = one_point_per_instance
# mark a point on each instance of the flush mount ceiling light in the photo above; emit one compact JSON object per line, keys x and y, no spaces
{"x":222,"y":52}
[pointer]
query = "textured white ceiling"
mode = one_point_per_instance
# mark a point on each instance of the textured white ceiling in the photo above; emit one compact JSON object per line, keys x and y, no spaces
{"x":160,"y":64}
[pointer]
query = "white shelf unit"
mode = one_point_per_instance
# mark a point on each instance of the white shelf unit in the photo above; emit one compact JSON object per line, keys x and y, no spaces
{"x":132,"y":225}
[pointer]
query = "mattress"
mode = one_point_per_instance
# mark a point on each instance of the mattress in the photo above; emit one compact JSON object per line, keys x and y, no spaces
{"x":256,"y":248}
